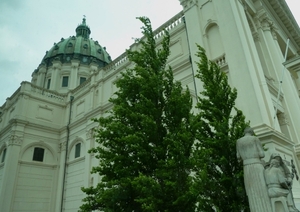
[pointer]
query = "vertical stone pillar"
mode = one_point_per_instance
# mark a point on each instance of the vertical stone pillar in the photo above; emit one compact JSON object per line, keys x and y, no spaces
{"x":41,"y":77}
{"x":60,"y":181}
{"x":283,"y":80}
{"x":54,"y":79}
{"x":10,"y":173}
{"x":74,"y":74}
{"x":88,"y":158}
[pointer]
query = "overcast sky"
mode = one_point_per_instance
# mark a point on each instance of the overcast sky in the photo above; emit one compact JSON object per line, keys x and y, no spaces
{"x":28,"y":28}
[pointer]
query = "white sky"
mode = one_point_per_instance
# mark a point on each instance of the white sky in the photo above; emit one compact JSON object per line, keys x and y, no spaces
{"x":28,"y":28}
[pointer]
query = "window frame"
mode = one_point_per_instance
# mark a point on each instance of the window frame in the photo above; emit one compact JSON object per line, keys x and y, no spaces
{"x":82,"y":80}
{"x":77,"y":152}
{"x":38,"y":156}
{"x":65,"y":81}
{"x":48,"y":83}
{"x":3,"y":155}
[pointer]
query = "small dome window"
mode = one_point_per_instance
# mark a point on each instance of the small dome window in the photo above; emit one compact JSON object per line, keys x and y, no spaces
{"x":82,"y":80}
{"x":65,"y":81}
{"x":85,"y":46}
{"x":99,"y":51}
{"x":73,"y":37}
{"x":56,"y":47}
{"x":70,"y":44}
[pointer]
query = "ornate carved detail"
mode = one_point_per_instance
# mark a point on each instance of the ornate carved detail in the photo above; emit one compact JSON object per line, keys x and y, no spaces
{"x":256,"y":36}
{"x":264,"y":22}
{"x":187,"y":3}
{"x":15,"y":140}
{"x":282,"y":119}
{"x":274,"y":32}
{"x":62,"y":146}
{"x":90,"y":133}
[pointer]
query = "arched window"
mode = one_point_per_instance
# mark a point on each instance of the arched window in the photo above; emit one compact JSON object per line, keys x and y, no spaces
{"x":3,"y":155}
{"x":38,"y":154}
{"x":77,"y":150}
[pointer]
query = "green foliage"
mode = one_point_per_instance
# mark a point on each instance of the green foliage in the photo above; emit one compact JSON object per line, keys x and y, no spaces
{"x":218,"y":173}
{"x":145,"y":144}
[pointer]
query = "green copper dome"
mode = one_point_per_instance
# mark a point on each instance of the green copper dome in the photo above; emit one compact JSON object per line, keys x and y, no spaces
{"x":79,"y":47}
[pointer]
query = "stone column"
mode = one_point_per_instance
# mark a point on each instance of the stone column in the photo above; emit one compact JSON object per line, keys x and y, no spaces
{"x":89,"y":143}
{"x":41,"y":77}
{"x":54,"y":79}
{"x":284,"y":81}
{"x":74,"y":74}
{"x":60,"y":181}
{"x":10,"y":173}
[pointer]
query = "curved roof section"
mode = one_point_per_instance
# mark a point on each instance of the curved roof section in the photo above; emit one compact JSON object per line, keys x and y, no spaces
{"x":79,"y":47}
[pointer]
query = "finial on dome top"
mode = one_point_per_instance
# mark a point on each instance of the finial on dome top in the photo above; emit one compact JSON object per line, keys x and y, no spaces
{"x":83,"y":29}
{"x":84,"y":20}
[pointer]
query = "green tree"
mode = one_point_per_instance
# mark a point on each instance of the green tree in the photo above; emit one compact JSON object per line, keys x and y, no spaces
{"x":218,"y":173}
{"x":145,"y":144}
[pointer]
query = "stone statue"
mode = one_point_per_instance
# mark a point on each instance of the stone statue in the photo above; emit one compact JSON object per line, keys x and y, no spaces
{"x":279,"y":181}
{"x":249,"y":149}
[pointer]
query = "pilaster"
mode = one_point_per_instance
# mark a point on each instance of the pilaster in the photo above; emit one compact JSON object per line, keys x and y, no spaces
{"x":74,"y":74}
{"x":60,"y":181}
{"x":89,"y":143}
{"x":10,"y":172}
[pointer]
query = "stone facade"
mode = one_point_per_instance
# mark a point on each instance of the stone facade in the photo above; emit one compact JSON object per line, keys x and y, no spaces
{"x":46,"y":129}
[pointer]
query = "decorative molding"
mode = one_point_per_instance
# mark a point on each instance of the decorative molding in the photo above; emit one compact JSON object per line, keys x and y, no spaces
{"x":256,"y":37}
{"x":201,"y":6}
{"x":264,"y":22}
{"x":15,"y":140}
{"x":282,"y":119}
{"x":62,"y":146}
{"x":90,"y":133}
{"x":35,"y":163}
{"x":186,"y":4}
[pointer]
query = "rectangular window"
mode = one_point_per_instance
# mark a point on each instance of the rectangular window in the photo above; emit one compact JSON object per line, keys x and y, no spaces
{"x":77,"y":150}
{"x":82,"y":80}
{"x":38,"y":154}
{"x":3,"y":155}
{"x":48,"y":83}
{"x":65,"y":81}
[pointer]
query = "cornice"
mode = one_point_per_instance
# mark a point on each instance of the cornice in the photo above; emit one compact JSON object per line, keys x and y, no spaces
{"x":186,"y":4}
{"x":283,"y":15}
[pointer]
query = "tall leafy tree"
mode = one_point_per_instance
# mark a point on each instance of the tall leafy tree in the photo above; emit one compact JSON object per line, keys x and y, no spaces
{"x":145,"y":144}
{"x":218,"y":173}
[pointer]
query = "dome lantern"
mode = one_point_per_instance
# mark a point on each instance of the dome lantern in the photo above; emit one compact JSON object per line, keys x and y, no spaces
{"x":83,"y":30}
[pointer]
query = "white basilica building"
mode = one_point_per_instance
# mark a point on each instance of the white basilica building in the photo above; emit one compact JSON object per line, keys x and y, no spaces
{"x":46,"y":127}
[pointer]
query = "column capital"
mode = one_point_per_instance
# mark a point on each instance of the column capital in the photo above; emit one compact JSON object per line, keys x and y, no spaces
{"x":90,"y":133}
{"x":62,"y":146}
{"x":15,"y":140}
{"x":186,"y":4}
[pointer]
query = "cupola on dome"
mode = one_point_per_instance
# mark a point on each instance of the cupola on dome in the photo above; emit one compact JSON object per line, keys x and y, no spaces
{"x":80,"y":47}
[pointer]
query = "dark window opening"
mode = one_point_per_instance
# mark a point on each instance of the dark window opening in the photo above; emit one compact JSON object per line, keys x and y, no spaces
{"x":65,"y":81}
{"x":48,"y":83}
{"x":77,"y":150}
{"x":38,"y":154}
{"x":82,"y":80}
{"x":3,"y":155}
